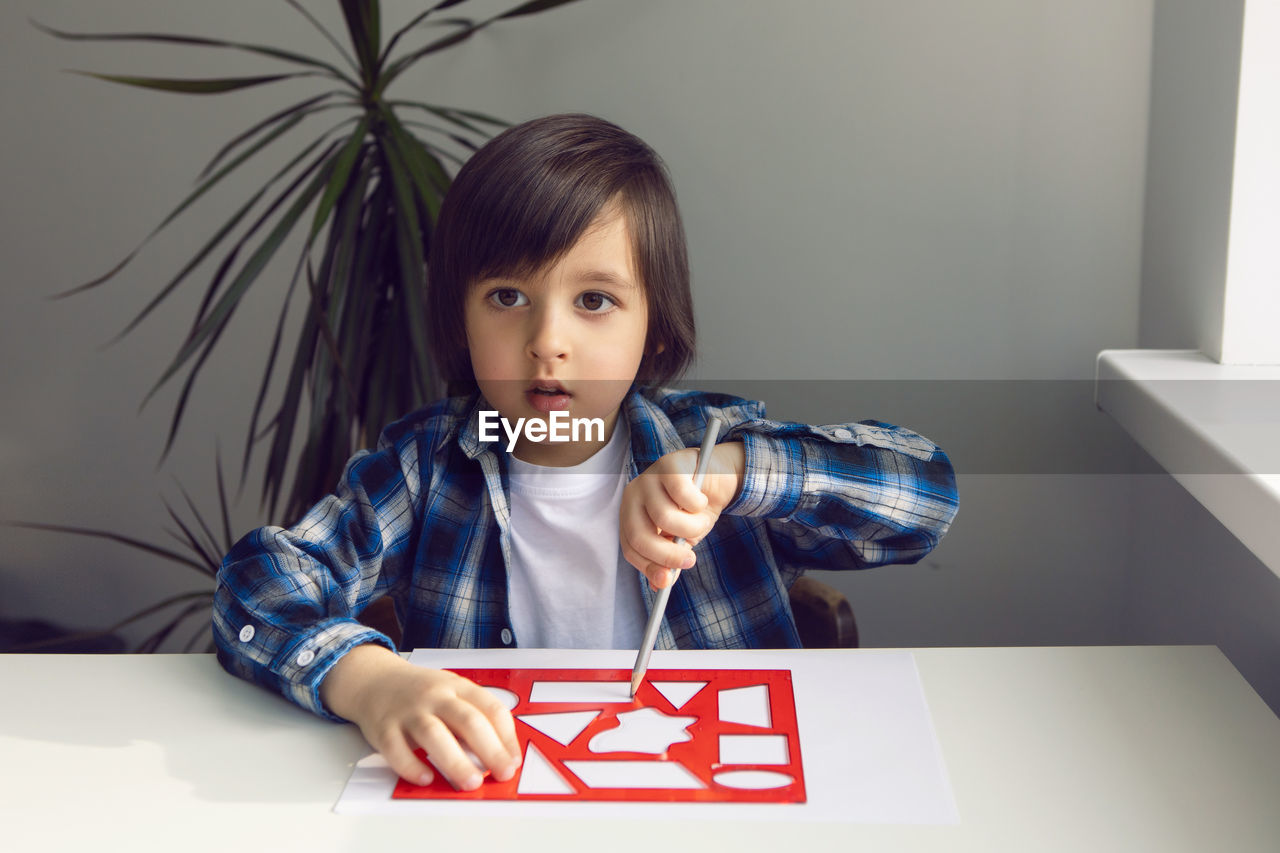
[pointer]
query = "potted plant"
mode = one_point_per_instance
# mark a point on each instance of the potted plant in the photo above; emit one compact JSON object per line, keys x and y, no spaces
{"x":363,"y":180}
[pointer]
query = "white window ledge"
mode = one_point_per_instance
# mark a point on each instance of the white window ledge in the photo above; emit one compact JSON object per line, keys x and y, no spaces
{"x":1214,"y":427}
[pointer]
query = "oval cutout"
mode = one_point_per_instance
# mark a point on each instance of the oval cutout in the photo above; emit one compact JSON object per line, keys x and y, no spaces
{"x":752,"y":780}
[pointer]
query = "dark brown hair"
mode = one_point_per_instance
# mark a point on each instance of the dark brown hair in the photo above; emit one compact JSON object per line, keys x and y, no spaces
{"x":525,"y":198}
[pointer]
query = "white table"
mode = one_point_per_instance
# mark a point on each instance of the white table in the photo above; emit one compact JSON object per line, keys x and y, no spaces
{"x":1122,"y":748}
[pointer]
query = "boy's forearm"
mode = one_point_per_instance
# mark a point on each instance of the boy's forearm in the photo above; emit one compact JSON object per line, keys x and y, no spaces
{"x":350,"y":678}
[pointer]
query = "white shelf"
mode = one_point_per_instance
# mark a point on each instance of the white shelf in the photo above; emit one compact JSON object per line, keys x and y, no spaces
{"x":1214,"y":427}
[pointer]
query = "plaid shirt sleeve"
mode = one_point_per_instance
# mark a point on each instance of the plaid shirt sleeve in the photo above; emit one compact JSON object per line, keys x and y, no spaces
{"x":286,"y":601}
{"x":845,"y":496}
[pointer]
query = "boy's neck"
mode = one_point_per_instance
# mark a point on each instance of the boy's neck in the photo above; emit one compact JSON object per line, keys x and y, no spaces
{"x":563,"y":454}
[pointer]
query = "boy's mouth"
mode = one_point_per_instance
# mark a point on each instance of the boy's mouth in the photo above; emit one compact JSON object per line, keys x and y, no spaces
{"x":547,"y":396}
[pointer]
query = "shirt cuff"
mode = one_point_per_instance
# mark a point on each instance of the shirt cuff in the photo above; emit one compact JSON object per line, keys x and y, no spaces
{"x":302,"y":664}
{"x":772,"y":477}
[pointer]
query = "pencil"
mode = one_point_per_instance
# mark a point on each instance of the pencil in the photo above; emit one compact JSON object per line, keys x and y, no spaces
{"x":660,"y":604}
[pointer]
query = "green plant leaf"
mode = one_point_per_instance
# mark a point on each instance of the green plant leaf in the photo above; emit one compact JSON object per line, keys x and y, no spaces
{"x":215,"y":285}
{"x":201,"y":630}
{"x":228,"y":540}
{"x":141,"y":545}
{"x":269,"y":371}
{"x":257,"y":261}
{"x":361,"y":354}
{"x":325,"y":32}
{"x":460,"y":118}
{"x":533,"y":7}
{"x":218,"y":236}
{"x":334,"y":277}
{"x":189,"y":540}
{"x":180,"y":408}
{"x":202,"y":41}
{"x":303,"y":107}
{"x":342,"y":166}
{"x":436,"y":151}
{"x":211,"y":548}
{"x":194,"y":262}
{"x":398,"y":67}
{"x":212,"y":86}
{"x":196,"y":597}
{"x":152,"y":643}
{"x":308,"y":360}
{"x":415,"y":21}
{"x":402,"y":64}
{"x":328,"y":359}
{"x":429,"y":178}
{"x":477,"y":116}
{"x":286,"y":415}
{"x":265,"y":216}
{"x":412,"y":266}
{"x":362,"y":25}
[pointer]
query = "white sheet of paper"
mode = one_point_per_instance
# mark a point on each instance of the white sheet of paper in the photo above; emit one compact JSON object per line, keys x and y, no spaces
{"x":753,"y":749}
{"x":643,"y":730}
{"x":561,"y":727}
{"x":580,"y":691}
{"x":746,"y":705}
{"x":538,"y":776}
{"x":867,"y":743}
{"x":633,"y":774}
{"x":678,"y":692}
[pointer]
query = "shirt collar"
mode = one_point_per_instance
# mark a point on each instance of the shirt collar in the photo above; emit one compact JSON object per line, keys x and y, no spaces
{"x":469,"y":434}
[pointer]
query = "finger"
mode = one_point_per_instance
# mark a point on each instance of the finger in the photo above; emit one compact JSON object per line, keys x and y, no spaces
{"x":445,"y":753}
{"x":663,"y":545}
{"x":659,"y":577}
{"x":650,"y":548}
{"x":640,"y":539}
{"x":473,"y":728}
{"x":683,"y":493}
{"x":656,"y":575}
{"x":674,"y":521}
{"x":633,"y":521}
{"x":504,"y":726}
{"x":402,"y":759}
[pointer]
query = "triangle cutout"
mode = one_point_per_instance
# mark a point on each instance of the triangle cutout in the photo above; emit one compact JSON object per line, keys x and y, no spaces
{"x":678,"y":692}
{"x":538,"y":776}
{"x":562,"y":727}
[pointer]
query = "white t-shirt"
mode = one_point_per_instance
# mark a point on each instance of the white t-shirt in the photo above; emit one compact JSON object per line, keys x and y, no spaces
{"x":570,"y":588}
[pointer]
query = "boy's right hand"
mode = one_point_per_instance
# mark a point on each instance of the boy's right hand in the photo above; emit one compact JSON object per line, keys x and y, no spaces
{"x":399,"y":707}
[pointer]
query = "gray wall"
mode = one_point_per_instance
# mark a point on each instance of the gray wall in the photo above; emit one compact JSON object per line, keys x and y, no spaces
{"x":1191,"y":580}
{"x":1195,"y":75}
{"x":923,"y":211}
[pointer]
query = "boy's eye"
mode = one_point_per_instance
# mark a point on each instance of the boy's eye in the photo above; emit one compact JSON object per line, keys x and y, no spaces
{"x":508,"y":297}
{"x":595,"y":302}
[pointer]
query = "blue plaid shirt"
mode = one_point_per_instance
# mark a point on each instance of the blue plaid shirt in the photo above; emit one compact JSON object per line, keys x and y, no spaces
{"x":425,"y":519}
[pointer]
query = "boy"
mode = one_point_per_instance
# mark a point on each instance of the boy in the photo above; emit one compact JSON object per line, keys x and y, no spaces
{"x":559,"y":285}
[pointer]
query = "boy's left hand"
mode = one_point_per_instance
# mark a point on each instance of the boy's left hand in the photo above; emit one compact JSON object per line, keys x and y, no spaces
{"x":662,"y":505}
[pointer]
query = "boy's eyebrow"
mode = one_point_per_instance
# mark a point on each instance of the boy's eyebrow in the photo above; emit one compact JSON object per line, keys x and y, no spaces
{"x":606,"y":277}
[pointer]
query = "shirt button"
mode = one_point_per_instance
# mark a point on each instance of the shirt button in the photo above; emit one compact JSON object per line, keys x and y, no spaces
{"x":843,"y":434}
{"x":506,"y":636}
{"x":306,"y":657}
{"x":246,"y":633}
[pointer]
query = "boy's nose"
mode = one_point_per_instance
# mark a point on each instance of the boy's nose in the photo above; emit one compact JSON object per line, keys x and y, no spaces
{"x":548,"y":340}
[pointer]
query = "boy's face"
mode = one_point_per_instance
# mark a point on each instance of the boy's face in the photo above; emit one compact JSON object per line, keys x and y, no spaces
{"x":570,"y":337}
